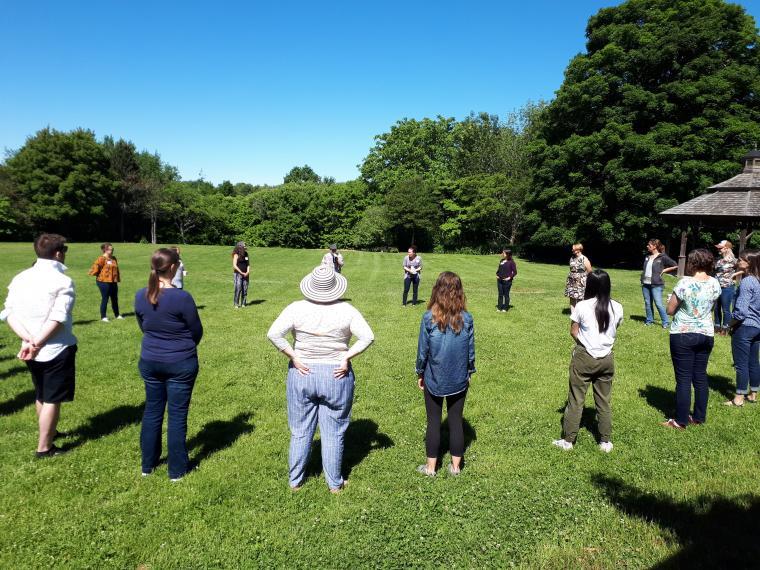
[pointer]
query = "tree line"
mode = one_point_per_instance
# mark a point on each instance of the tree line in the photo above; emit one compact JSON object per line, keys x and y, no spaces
{"x":662,"y":104}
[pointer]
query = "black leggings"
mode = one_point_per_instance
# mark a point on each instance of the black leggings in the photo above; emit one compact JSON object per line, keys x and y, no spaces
{"x":434,"y":409}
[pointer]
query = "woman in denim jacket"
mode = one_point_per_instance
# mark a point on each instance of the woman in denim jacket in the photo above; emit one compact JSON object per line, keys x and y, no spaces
{"x":445,"y":362}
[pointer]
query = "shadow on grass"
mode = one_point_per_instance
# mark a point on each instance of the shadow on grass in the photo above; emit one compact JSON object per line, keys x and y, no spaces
{"x":105,"y":424}
{"x":255,"y":302}
{"x":637,"y":318}
{"x":362,"y":437}
{"x":16,"y":404}
{"x":724,"y":385}
{"x":218,"y":435}
{"x":11,"y":372}
{"x":7,"y":357}
{"x":660,"y":399}
{"x":588,"y":421}
{"x":713,"y":532}
{"x":566,"y":311}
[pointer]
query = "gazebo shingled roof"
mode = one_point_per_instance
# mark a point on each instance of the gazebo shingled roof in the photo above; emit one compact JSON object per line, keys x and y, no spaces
{"x":734,"y":202}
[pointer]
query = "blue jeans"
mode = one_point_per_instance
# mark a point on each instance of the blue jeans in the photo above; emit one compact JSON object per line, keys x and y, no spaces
{"x":723,"y":307}
{"x":745,"y":348}
{"x":504,"y":288}
{"x":414,"y":282}
{"x":690,"y":353}
{"x":654,"y":293}
{"x":166,"y":383}
{"x":108,"y":291}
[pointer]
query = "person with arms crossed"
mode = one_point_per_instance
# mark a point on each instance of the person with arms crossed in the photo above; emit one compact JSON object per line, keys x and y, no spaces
{"x":412,"y":270}
{"x":38,"y":309}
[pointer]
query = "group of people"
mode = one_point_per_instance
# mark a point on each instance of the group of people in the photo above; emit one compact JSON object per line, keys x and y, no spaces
{"x":320,"y":379}
{"x":700,"y":305}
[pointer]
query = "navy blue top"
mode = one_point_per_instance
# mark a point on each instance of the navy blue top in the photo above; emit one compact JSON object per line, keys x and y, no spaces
{"x":447,"y":359}
{"x":171,"y":329}
{"x":747,"y":307}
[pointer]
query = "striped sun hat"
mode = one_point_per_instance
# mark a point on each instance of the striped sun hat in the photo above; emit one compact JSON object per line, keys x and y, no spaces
{"x":323,"y":285}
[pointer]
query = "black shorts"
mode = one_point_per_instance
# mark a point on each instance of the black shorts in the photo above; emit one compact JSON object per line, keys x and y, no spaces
{"x":54,"y":380}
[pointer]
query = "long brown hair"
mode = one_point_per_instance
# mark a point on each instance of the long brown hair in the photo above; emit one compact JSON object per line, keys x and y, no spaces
{"x":447,"y":302}
{"x":752,"y":257}
{"x":160,"y":263}
{"x":658,"y":245}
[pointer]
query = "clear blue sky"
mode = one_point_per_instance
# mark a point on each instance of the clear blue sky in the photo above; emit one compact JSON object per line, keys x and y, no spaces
{"x":245,"y":91}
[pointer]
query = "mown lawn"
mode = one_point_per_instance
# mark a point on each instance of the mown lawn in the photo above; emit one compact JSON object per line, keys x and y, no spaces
{"x":660,"y":497}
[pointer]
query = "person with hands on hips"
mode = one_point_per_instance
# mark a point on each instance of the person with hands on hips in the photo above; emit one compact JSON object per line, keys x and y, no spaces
{"x":656,"y":264}
{"x":320,"y":380}
{"x":445,"y":364}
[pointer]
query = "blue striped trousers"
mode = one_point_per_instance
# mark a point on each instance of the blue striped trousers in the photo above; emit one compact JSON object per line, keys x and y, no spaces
{"x":318,"y":398}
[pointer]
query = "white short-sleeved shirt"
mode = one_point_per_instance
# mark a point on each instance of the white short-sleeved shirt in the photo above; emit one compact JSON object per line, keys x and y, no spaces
{"x":597,"y":344}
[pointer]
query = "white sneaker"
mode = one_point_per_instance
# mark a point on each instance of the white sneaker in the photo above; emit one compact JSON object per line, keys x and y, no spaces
{"x":561,"y":443}
{"x":119,"y":318}
{"x":105,"y":320}
{"x":606,"y":446}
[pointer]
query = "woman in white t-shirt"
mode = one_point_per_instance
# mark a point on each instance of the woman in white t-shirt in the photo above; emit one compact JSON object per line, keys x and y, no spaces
{"x":594,"y":326}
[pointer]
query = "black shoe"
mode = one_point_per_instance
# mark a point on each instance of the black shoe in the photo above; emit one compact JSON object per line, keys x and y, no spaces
{"x":52,"y":452}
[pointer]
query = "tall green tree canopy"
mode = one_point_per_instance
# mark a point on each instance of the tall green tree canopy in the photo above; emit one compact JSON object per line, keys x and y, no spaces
{"x":63,"y":183}
{"x":663,"y":104}
{"x":303,"y":173}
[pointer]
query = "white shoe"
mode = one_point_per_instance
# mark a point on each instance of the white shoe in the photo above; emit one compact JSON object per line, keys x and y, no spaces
{"x":606,"y":446}
{"x":105,"y":320}
{"x":562,"y":444}
{"x":119,"y":318}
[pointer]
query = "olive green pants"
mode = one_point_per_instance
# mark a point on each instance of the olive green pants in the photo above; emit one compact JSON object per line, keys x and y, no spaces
{"x":585,"y":370}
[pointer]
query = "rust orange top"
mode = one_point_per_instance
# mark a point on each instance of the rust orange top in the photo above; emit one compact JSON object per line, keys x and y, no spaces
{"x":105,"y":270}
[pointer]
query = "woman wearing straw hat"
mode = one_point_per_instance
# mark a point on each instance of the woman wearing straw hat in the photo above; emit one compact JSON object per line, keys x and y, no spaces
{"x":320,"y":382}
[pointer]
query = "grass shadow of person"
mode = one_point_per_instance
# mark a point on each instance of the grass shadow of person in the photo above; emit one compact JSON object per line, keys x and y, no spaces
{"x":17,"y":403}
{"x":105,"y":423}
{"x":362,"y":437}
{"x":566,"y":311}
{"x":637,"y":318}
{"x":724,"y":385}
{"x":712,"y":531}
{"x":218,"y":435}
{"x":660,"y":399}
{"x":11,"y":372}
{"x":255,"y":302}
{"x":7,"y":357}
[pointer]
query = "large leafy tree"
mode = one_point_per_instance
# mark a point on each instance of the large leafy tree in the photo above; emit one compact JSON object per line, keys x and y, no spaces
{"x":63,"y":180}
{"x":663,"y":104}
{"x":125,"y":171}
{"x":302,"y":174}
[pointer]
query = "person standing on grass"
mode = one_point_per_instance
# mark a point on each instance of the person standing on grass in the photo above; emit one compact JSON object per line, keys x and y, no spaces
{"x":725,"y":267}
{"x":575,"y":285}
{"x":412,"y":272}
{"x":38,"y":309}
{"x":656,"y":264}
{"x":179,"y":276}
{"x":333,"y":259}
{"x":691,"y":337}
{"x":594,"y":327}
{"x":505,"y":273}
{"x":745,"y":331}
{"x":445,"y":365}
{"x":241,"y":268}
{"x":172,"y":329}
{"x":106,"y":271}
{"x":320,"y":381}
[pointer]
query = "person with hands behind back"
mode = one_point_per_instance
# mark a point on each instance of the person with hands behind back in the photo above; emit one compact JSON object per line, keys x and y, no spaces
{"x":38,"y":309}
{"x":445,"y":364}
{"x":320,"y":380}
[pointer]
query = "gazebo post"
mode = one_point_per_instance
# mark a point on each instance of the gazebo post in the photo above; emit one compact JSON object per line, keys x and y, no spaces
{"x":682,"y":254}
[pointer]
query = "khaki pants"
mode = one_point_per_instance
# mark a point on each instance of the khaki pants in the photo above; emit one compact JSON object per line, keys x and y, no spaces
{"x":585,"y":370}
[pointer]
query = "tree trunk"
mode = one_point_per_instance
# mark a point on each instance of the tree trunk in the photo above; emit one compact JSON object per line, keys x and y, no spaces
{"x":153,"y":239}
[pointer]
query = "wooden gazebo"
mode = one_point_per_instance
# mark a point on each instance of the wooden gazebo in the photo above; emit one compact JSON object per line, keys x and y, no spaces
{"x":734,"y":203}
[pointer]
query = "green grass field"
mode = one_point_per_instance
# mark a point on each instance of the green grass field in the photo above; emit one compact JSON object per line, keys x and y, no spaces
{"x":661,"y":497}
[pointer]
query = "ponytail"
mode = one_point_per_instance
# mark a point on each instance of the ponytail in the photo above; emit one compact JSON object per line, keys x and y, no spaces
{"x":160,"y":263}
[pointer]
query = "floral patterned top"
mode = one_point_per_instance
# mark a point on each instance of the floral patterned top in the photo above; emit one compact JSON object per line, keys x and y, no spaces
{"x":105,"y":270}
{"x":695,"y":313}
{"x":725,"y":267}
